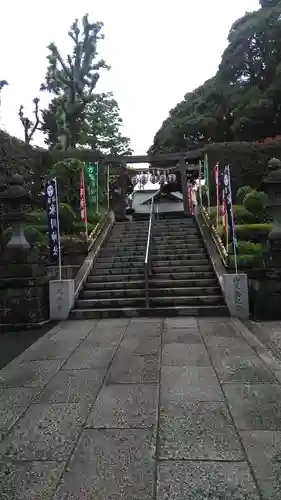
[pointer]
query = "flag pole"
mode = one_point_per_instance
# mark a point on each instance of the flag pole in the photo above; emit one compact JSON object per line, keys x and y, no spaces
{"x":97,"y":189}
{"x":107,"y":187}
{"x":85,"y":206}
{"x":58,"y":224}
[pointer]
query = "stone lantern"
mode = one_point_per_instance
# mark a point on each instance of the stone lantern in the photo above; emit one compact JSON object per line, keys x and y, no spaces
{"x":272,"y":187}
{"x":14,"y":197}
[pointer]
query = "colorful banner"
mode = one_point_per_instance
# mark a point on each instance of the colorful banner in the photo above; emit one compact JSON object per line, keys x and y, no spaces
{"x":190,"y":200}
{"x":83,"y":209}
{"x":206,"y":178}
{"x":51,"y":199}
{"x":91,"y":176}
{"x":216,"y":177}
{"x":200,"y":182}
{"x":229,"y":211}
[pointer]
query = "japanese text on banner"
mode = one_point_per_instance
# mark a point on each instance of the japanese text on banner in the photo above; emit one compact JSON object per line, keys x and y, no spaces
{"x":53,"y":221}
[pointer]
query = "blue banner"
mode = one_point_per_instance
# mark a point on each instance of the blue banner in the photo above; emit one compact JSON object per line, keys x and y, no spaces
{"x":51,"y":199}
{"x":228,"y":198}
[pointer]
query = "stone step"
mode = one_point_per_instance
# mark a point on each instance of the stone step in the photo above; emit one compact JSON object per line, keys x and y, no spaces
{"x":121,"y":252}
{"x":123,"y":258}
{"x":155,"y":292}
{"x":186,"y":260}
{"x":184,"y":283}
{"x":113,"y":294}
{"x":181,"y":246}
{"x":101,"y":278}
{"x":112,"y":285}
{"x":191,"y":249}
{"x":133,"y":247}
{"x":128,"y":239}
{"x":129,"y":233}
{"x":154,"y":301}
{"x":120,"y":264}
{"x":171,"y":270}
{"x":119,"y":270}
{"x":159,"y":312}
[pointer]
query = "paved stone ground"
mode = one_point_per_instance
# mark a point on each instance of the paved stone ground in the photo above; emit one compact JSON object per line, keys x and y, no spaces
{"x":142,"y":409}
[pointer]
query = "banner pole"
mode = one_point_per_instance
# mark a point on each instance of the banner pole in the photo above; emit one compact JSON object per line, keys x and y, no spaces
{"x":85,"y":205}
{"x":97,"y":189}
{"x":107,"y":187}
{"x":58,"y":224}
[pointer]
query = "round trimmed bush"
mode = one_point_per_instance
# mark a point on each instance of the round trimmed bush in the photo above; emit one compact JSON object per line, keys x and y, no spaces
{"x":33,"y":236}
{"x":242,"y":192}
{"x":66,"y":218}
{"x":254,"y":202}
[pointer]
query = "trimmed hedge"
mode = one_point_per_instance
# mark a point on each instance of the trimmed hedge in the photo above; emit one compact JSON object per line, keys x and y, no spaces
{"x":241,"y":215}
{"x":248,"y":162}
{"x":255,"y":233}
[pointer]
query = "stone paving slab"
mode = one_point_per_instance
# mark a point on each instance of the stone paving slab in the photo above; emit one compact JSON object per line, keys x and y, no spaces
{"x":264,"y":452}
{"x":185,"y":355}
{"x":125,"y":406}
{"x":50,"y":349}
{"x":138,"y":345}
{"x":190,"y":384}
{"x":88,"y":356}
{"x":198,"y":431}
{"x":45,"y":432}
{"x":204,"y":481}
{"x":99,"y":408}
{"x":29,"y":480}
{"x":127,"y":368}
{"x":13,"y":403}
{"x":29,"y":373}
{"x":73,"y":386}
{"x":255,"y":406}
{"x":111,"y":464}
{"x":182,"y":335}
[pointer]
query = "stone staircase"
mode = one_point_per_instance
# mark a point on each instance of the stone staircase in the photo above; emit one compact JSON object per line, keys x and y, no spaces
{"x":182,"y":281}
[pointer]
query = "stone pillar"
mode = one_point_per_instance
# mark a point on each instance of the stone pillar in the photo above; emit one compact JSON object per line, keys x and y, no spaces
{"x":183,"y":169}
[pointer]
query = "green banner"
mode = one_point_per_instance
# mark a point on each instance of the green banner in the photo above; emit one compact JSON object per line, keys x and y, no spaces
{"x":91,"y":175}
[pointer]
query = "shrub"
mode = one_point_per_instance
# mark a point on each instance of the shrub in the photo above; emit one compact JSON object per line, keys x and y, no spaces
{"x":256,"y":233}
{"x":254,"y":202}
{"x":66,"y":218}
{"x":38,"y":217}
{"x":242,"y":192}
{"x":241,"y":215}
{"x":246,"y":261}
{"x":33,"y":236}
{"x":79,"y":227}
{"x":246,"y":248}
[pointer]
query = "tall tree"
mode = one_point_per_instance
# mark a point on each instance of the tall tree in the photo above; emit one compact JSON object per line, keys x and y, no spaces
{"x":30,"y":126}
{"x":74,"y":78}
{"x":101,"y":128}
{"x":243,"y":100}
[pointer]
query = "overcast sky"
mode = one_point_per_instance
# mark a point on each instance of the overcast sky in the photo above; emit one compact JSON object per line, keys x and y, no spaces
{"x":158,"y":51}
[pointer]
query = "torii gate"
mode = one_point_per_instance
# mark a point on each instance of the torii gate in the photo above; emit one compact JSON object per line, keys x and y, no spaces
{"x":162,"y":160}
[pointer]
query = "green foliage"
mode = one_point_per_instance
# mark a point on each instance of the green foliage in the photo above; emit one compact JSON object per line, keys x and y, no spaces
{"x":247,"y":261}
{"x":67,"y":173}
{"x":254,"y":202}
{"x":246,"y":248}
{"x":72,"y":80}
{"x":101,"y":127}
{"x":34,"y":236}
{"x":242,"y":102}
{"x":241,"y":215}
{"x":256,"y":233}
{"x":242,"y":192}
{"x":66,"y":218}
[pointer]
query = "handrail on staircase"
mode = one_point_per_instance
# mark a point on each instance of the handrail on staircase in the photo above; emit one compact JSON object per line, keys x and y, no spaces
{"x":147,"y":259}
